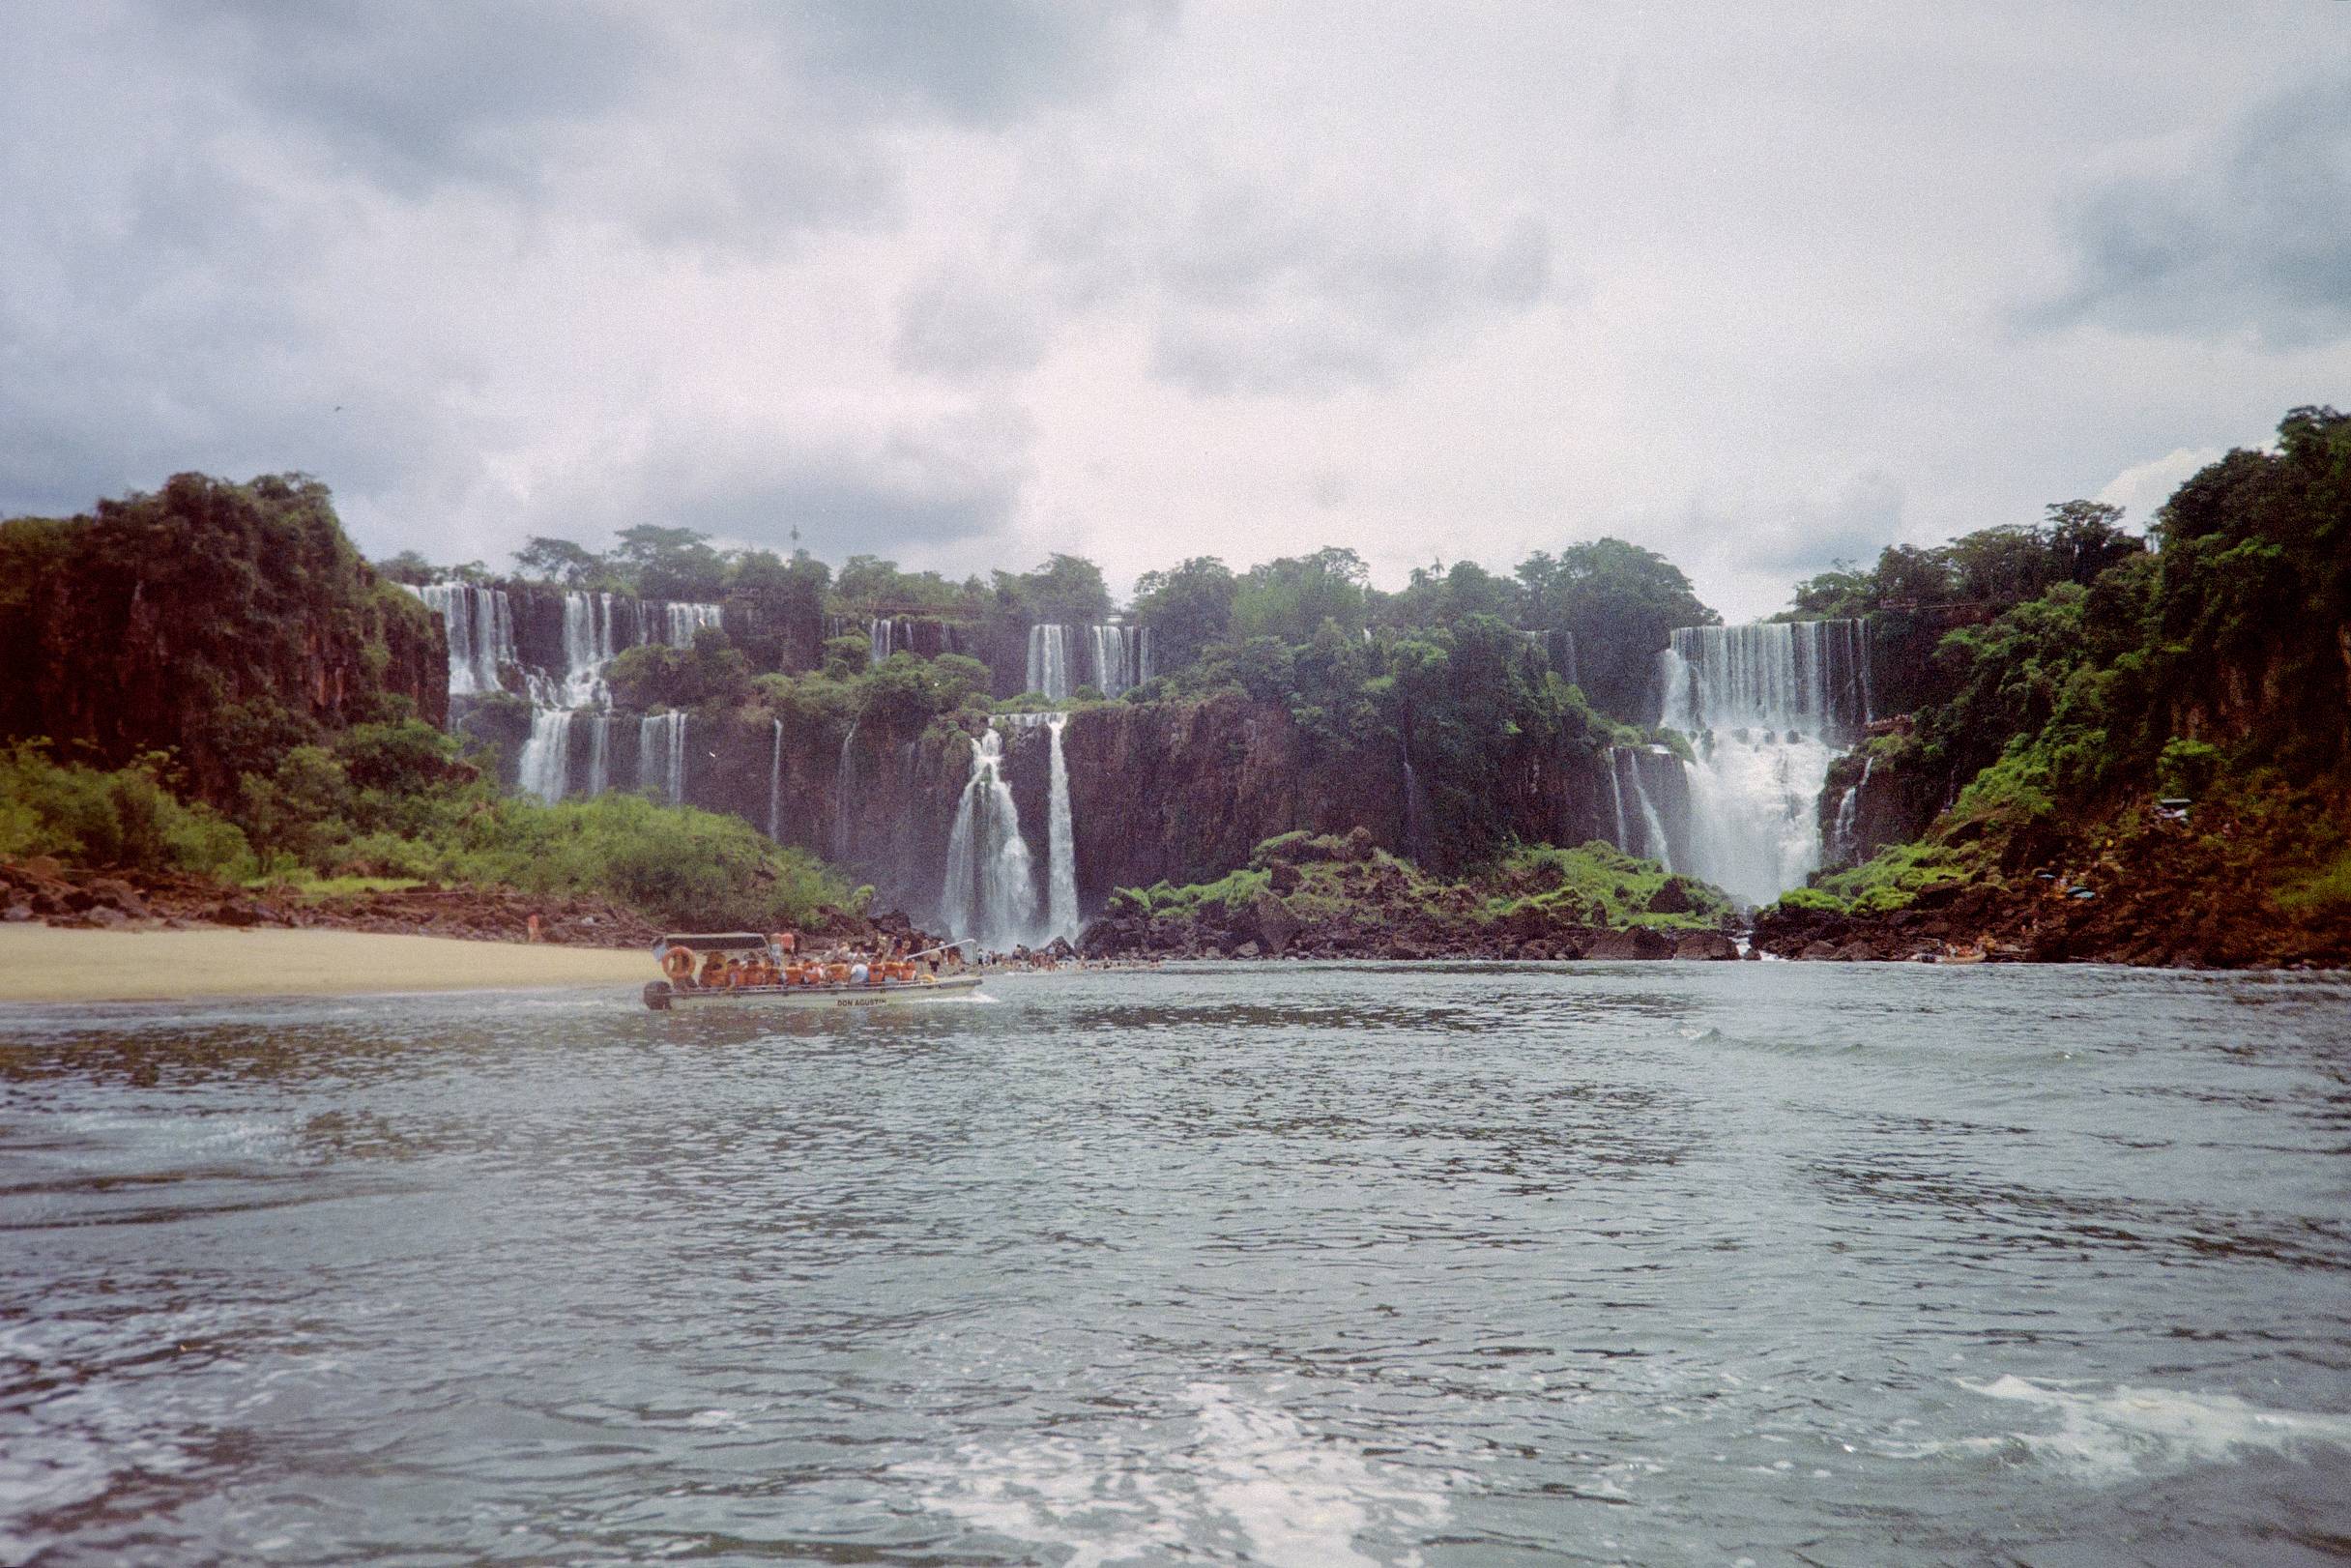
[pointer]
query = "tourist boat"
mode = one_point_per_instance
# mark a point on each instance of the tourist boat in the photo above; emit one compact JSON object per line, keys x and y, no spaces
{"x":680,"y":953}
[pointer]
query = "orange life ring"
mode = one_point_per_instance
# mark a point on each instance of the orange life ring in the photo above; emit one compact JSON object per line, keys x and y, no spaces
{"x":678,"y":963}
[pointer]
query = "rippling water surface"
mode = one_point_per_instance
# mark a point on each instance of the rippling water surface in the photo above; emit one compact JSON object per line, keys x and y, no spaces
{"x":1291,"y":1264}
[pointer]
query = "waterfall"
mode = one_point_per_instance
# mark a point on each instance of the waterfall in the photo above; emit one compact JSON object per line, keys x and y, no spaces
{"x":661,"y":755}
{"x":843,"y":809}
{"x":546,"y":757}
{"x":1768,"y":707}
{"x":1121,"y":655}
{"x":599,"y":753}
{"x":1061,"y":861}
{"x":776,"y":784}
{"x":686,"y":620}
{"x":990,"y":893}
{"x":1655,"y":844}
{"x":1415,"y":810}
{"x":1616,"y":793}
{"x":1049,"y":661}
{"x":1842,"y":845}
{"x":588,"y":646}
{"x":479,"y":625}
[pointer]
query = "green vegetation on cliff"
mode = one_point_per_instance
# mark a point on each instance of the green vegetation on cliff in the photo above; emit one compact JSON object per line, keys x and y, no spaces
{"x":226,"y":624}
{"x":2215,"y":668}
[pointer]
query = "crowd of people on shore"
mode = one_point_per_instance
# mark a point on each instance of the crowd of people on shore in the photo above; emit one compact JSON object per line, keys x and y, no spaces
{"x":893,"y":960}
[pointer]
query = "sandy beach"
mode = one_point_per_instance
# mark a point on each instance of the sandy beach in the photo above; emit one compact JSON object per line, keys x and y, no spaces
{"x":39,"y":964}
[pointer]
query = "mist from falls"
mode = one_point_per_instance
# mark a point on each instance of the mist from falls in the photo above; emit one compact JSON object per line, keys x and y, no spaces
{"x":1767,"y":708}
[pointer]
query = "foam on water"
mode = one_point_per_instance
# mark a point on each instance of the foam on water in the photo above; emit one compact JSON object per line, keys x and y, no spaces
{"x":1238,"y":1477}
{"x":2128,"y":1433}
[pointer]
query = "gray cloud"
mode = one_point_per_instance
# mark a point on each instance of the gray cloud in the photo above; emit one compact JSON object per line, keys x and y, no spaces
{"x":913,"y":491}
{"x":1247,"y":287}
{"x":978,"y":62}
{"x":2251,"y":237}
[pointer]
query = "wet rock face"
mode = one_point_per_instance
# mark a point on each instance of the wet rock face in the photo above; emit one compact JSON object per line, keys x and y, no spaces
{"x":1182,"y":792}
{"x":1710,"y":945}
{"x":1639,"y":942}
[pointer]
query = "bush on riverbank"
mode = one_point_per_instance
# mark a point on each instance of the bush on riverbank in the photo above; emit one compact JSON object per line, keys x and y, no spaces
{"x":394,"y":802}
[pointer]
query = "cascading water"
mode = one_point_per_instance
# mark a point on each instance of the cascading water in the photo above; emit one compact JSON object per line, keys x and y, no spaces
{"x":1767,"y":706}
{"x":1644,"y":831}
{"x":599,"y":753}
{"x":844,"y":797}
{"x":546,"y":757}
{"x":1415,"y":810}
{"x":1841,"y":844}
{"x":990,"y":893}
{"x":588,"y":646}
{"x":1117,"y":660}
{"x":1122,"y":658}
{"x":1049,"y":661}
{"x":479,"y":625}
{"x":776,"y":784}
{"x":1062,"y":854}
{"x":686,"y":620}
{"x":661,"y":755}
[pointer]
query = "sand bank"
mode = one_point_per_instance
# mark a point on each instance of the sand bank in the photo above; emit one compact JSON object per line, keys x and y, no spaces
{"x":39,"y":964}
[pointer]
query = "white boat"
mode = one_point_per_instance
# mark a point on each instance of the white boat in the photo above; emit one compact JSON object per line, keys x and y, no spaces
{"x":681,"y":988}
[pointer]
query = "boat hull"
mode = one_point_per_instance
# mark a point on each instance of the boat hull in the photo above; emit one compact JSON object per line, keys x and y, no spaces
{"x":661,"y":996}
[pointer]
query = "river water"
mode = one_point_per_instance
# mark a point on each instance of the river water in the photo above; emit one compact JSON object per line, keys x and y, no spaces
{"x":1292,"y":1265}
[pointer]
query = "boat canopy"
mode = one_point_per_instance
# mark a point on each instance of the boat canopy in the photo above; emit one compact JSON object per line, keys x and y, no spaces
{"x":704,"y":941}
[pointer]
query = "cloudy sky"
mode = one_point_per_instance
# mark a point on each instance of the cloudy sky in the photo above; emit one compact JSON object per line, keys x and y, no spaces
{"x":963,"y":282}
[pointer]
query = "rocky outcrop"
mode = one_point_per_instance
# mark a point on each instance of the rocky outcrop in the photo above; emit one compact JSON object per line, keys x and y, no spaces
{"x":1348,"y":899}
{"x":2198,"y":894}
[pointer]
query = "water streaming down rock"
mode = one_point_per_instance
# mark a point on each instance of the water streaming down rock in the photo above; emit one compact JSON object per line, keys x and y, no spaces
{"x":1061,"y":859}
{"x":776,"y":783}
{"x":845,"y":798}
{"x":1417,"y":843}
{"x":479,"y":625}
{"x":1117,"y":658}
{"x":1767,"y":708}
{"x":1121,"y":657}
{"x":1842,"y":849}
{"x":599,"y":753}
{"x":1049,"y":661}
{"x":546,"y":757}
{"x":589,"y":646}
{"x":990,"y":892}
{"x":685,"y":620}
{"x":661,"y":755}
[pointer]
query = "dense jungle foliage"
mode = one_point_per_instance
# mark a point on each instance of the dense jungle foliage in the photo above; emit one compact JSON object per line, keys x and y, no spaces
{"x":393,"y":803}
{"x":2214,"y":667}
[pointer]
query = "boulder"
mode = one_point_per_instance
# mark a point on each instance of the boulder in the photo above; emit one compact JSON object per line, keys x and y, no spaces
{"x":1635,"y":942}
{"x":1276,"y":926}
{"x":1286,"y":877}
{"x":1817,"y":950}
{"x":1674,"y":898}
{"x":1856,"y":953}
{"x":1706,"y":944}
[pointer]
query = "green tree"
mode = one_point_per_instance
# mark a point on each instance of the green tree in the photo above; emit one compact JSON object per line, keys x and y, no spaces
{"x":557,"y":561}
{"x":671,"y":563}
{"x":1621,"y":604}
{"x":1290,"y":599}
{"x":1186,"y":609}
